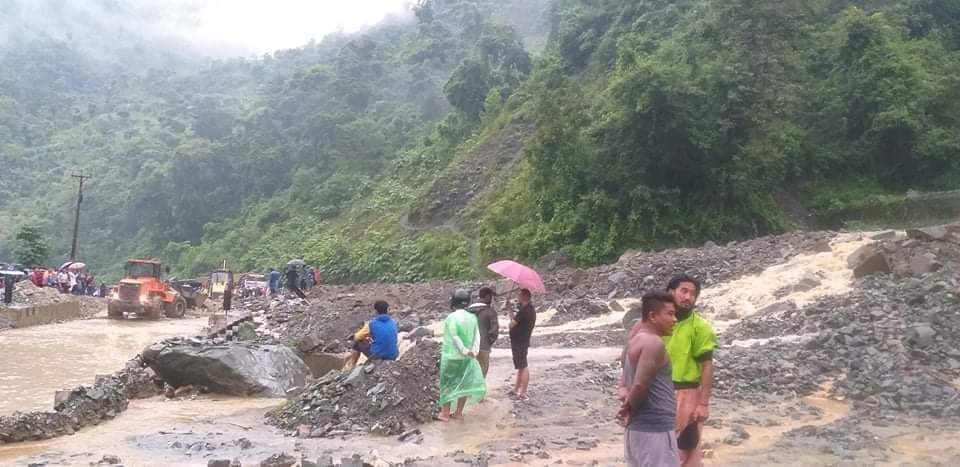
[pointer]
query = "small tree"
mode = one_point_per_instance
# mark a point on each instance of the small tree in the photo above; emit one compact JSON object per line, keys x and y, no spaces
{"x":32,"y":248}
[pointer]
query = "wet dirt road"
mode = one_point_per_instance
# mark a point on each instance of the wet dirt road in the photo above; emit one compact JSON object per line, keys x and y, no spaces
{"x":36,"y":361}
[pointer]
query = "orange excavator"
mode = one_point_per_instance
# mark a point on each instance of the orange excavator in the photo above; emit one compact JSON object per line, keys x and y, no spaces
{"x":144,"y":292}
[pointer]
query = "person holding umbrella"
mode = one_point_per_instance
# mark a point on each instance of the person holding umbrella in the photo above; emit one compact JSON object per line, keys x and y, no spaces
{"x":523,"y":318}
{"x":522,"y":321}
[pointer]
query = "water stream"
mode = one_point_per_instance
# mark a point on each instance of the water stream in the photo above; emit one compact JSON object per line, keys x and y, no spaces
{"x":36,"y":361}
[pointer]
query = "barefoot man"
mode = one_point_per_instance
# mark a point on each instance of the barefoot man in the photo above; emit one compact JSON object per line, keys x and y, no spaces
{"x":649,"y":407}
{"x":691,"y":354}
{"x":461,"y":378}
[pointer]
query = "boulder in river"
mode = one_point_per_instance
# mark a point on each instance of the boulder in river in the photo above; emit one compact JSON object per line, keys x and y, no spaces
{"x":235,"y":369}
{"x":867,"y":260}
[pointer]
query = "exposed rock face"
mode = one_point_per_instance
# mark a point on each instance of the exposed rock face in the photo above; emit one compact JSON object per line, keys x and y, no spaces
{"x":234,"y":369}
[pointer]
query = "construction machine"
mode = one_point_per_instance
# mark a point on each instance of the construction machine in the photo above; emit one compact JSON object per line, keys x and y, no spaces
{"x":144,"y":292}
{"x":220,"y":281}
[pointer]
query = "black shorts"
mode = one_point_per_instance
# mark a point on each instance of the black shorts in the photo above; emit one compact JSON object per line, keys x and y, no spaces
{"x":519,"y":350}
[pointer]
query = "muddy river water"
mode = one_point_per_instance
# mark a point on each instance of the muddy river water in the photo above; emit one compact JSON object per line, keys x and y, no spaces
{"x":36,"y":361}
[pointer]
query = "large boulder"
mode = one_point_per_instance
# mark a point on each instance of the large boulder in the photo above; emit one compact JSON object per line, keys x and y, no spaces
{"x":929,"y":234}
{"x":235,"y":369}
{"x":868,"y":259}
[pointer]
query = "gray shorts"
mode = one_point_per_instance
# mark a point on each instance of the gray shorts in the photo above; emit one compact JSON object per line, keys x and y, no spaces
{"x":657,"y":449}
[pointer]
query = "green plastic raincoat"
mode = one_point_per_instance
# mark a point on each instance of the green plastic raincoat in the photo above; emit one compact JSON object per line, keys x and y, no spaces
{"x":460,"y":375}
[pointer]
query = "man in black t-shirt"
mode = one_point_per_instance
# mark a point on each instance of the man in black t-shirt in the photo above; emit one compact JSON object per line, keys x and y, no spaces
{"x":521,"y":328}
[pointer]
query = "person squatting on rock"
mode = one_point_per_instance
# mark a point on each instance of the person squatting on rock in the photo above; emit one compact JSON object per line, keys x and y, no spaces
{"x":461,"y":378}
{"x":648,"y":403}
{"x":522,"y":322}
{"x":690,"y":347}
{"x":488,"y":325}
{"x":376,"y":339}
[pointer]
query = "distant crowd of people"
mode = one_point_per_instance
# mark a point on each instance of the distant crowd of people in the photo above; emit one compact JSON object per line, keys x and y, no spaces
{"x":68,"y":281}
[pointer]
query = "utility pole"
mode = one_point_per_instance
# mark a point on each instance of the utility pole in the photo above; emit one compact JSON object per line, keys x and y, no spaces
{"x":76,"y":218}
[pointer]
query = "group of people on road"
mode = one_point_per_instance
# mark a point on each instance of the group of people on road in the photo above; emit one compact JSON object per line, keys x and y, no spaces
{"x":667,"y":378}
{"x":469,"y":333}
{"x":68,"y":281}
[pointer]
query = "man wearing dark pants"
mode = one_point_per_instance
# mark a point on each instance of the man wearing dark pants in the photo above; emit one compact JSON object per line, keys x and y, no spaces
{"x":690,"y":347}
{"x":521,"y":329}
{"x":648,"y":404}
{"x":488,"y":324}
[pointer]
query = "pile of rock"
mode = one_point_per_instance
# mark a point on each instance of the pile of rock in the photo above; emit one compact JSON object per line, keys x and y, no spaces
{"x":381,"y":397}
{"x":82,"y":406}
{"x":891,"y":346}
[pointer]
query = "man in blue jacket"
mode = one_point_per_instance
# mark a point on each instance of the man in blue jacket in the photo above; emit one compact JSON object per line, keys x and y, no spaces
{"x":376,"y":339}
{"x":383,"y":333}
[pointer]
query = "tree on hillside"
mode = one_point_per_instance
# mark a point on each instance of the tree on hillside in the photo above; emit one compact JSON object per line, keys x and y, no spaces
{"x":32,"y":248}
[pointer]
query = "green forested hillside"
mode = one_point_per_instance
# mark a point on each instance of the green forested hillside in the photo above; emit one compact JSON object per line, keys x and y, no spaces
{"x":631,"y":124}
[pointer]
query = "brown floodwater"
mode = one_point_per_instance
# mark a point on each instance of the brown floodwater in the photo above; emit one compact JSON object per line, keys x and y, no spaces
{"x":36,"y":361}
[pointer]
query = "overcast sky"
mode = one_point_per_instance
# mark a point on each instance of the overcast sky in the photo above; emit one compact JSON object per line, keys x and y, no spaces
{"x":268,"y":25}
{"x":215,"y":26}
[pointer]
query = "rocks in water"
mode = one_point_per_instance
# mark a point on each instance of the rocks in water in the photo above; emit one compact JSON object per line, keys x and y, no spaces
{"x":868,"y":259}
{"x":236,"y":369}
{"x":822,"y":246}
{"x":929,"y":234}
{"x":808,"y":281}
{"x":279,"y":460}
{"x":109,"y":459}
{"x":82,"y":406}
{"x":737,"y":436}
{"x":381,"y":397}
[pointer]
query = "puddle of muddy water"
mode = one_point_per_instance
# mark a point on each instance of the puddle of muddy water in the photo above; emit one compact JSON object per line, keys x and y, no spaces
{"x":37,"y":361}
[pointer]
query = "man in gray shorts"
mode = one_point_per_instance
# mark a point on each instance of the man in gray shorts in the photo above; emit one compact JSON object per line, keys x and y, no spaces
{"x":649,"y":406}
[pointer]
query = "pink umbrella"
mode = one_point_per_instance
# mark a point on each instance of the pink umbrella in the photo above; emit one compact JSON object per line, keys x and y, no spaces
{"x":524,"y":276}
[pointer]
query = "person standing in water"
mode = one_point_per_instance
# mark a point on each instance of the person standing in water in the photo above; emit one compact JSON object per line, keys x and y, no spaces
{"x":461,"y":378}
{"x":521,"y":329}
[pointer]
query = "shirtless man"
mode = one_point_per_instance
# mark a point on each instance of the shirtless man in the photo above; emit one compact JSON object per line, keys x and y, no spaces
{"x":649,"y":407}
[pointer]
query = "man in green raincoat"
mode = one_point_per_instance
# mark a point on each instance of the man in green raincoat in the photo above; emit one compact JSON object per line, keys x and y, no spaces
{"x":461,"y":378}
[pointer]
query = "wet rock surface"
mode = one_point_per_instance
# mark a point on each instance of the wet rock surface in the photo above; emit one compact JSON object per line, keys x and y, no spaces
{"x":381,"y":397}
{"x":242,"y":369}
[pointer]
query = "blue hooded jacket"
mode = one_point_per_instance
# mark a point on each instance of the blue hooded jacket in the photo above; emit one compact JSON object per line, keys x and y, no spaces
{"x":383,"y":330}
